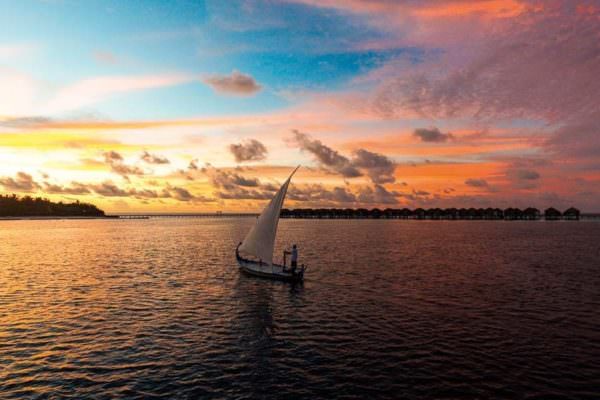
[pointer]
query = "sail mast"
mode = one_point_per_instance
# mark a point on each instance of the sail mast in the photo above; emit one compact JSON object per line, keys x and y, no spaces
{"x":260,"y":241}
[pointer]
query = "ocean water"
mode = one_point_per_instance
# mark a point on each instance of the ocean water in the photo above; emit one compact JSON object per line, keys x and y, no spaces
{"x":390,"y":309}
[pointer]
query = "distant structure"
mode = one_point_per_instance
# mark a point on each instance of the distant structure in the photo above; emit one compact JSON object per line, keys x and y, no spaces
{"x":509,"y":214}
{"x":552,"y":214}
{"x":571,"y":214}
{"x":531,"y":214}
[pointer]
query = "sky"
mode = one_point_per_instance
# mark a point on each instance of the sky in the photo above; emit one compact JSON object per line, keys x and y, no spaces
{"x":201,"y":106}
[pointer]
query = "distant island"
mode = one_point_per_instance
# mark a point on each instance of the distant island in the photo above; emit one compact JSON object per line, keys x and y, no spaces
{"x":27,"y":206}
{"x":529,"y":213}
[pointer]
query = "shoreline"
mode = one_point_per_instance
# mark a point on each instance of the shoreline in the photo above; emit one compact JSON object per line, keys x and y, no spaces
{"x":26,"y":217}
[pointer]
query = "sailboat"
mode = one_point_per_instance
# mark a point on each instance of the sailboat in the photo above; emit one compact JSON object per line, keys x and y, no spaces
{"x":260,"y":241}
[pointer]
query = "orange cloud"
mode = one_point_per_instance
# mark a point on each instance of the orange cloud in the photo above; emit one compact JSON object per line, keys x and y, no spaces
{"x":494,"y":8}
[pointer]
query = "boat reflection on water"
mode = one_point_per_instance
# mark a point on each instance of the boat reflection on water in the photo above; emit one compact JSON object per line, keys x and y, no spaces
{"x":267,"y":348}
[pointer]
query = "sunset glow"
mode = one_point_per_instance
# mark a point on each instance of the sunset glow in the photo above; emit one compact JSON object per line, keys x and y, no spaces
{"x":192,"y":106}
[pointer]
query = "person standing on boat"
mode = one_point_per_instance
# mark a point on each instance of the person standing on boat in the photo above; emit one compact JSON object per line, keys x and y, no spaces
{"x":294,"y":258}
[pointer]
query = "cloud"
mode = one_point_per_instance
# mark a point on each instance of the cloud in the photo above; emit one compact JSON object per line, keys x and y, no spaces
{"x":189,"y":172}
{"x":75,"y":188}
{"x":243,"y":194}
{"x":153,"y":158}
{"x":378,"y":167}
{"x":431,"y":135}
{"x":236,"y":83}
{"x":420,"y":193}
{"x":424,"y":23}
{"x":478,"y":183}
{"x":228,"y":180}
{"x":577,"y":141}
{"x":522,"y":178}
{"x":326,"y":156}
{"x":25,"y":122}
{"x":508,"y":72}
{"x":338,"y":195}
{"x":25,"y":183}
{"x":19,"y":92}
{"x":230,"y":185}
{"x":193,"y":165}
{"x":115,"y":160}
{"x":93,"y":90}
{"x":12,"y":51}
{"x":105,"y":57}
{"x":126,"y":170}
{"x":424,"y":8}
{"x":181,"y":194}
{"x":252,"y":150}
{"x":377,"y":195}
{"x":22,"y":182}
{"x":109,"y":189}
{"x":112,"y":157}
{"x":526,"y":174}
{"x":318,"y":194}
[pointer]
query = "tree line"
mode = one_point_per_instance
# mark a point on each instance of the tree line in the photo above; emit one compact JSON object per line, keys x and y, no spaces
{"x":27,"y":206}
{"x":529,"y":213}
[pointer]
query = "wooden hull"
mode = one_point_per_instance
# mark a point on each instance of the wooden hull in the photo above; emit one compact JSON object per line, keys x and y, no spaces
{"x":274,"y":271}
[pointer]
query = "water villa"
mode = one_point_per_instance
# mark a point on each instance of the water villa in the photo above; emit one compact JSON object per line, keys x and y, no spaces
{"x":509,"y":214}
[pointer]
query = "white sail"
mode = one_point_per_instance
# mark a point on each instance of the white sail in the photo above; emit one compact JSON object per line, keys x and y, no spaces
{"x":260,"y":241}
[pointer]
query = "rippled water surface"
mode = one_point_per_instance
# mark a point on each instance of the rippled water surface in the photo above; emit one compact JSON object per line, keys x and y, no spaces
{"x":390,"y":309}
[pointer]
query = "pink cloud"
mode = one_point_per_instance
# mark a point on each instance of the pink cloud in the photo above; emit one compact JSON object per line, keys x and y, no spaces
{"x":543,"y":69}
{"x":426,"y":22}
{"x":93,"y":90}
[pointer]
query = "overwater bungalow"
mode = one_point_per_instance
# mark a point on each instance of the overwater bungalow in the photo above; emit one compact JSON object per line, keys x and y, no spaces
{"x":571,"y":214}
{"x":347,"y":213}
{"x":392,"y":213}
{"x":473,"y":213}
{"x":433,"y":213}
{"x":361,"y":213}
{"x":375,"y":213}
{"x":511,"y":214}
{"x":405,"y":213}
{"x":419,"y":213}
{"x":531,"y":214}
{"x":451,"y":213}
{"x":493,"y":213}
{"x":552,"y":214}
